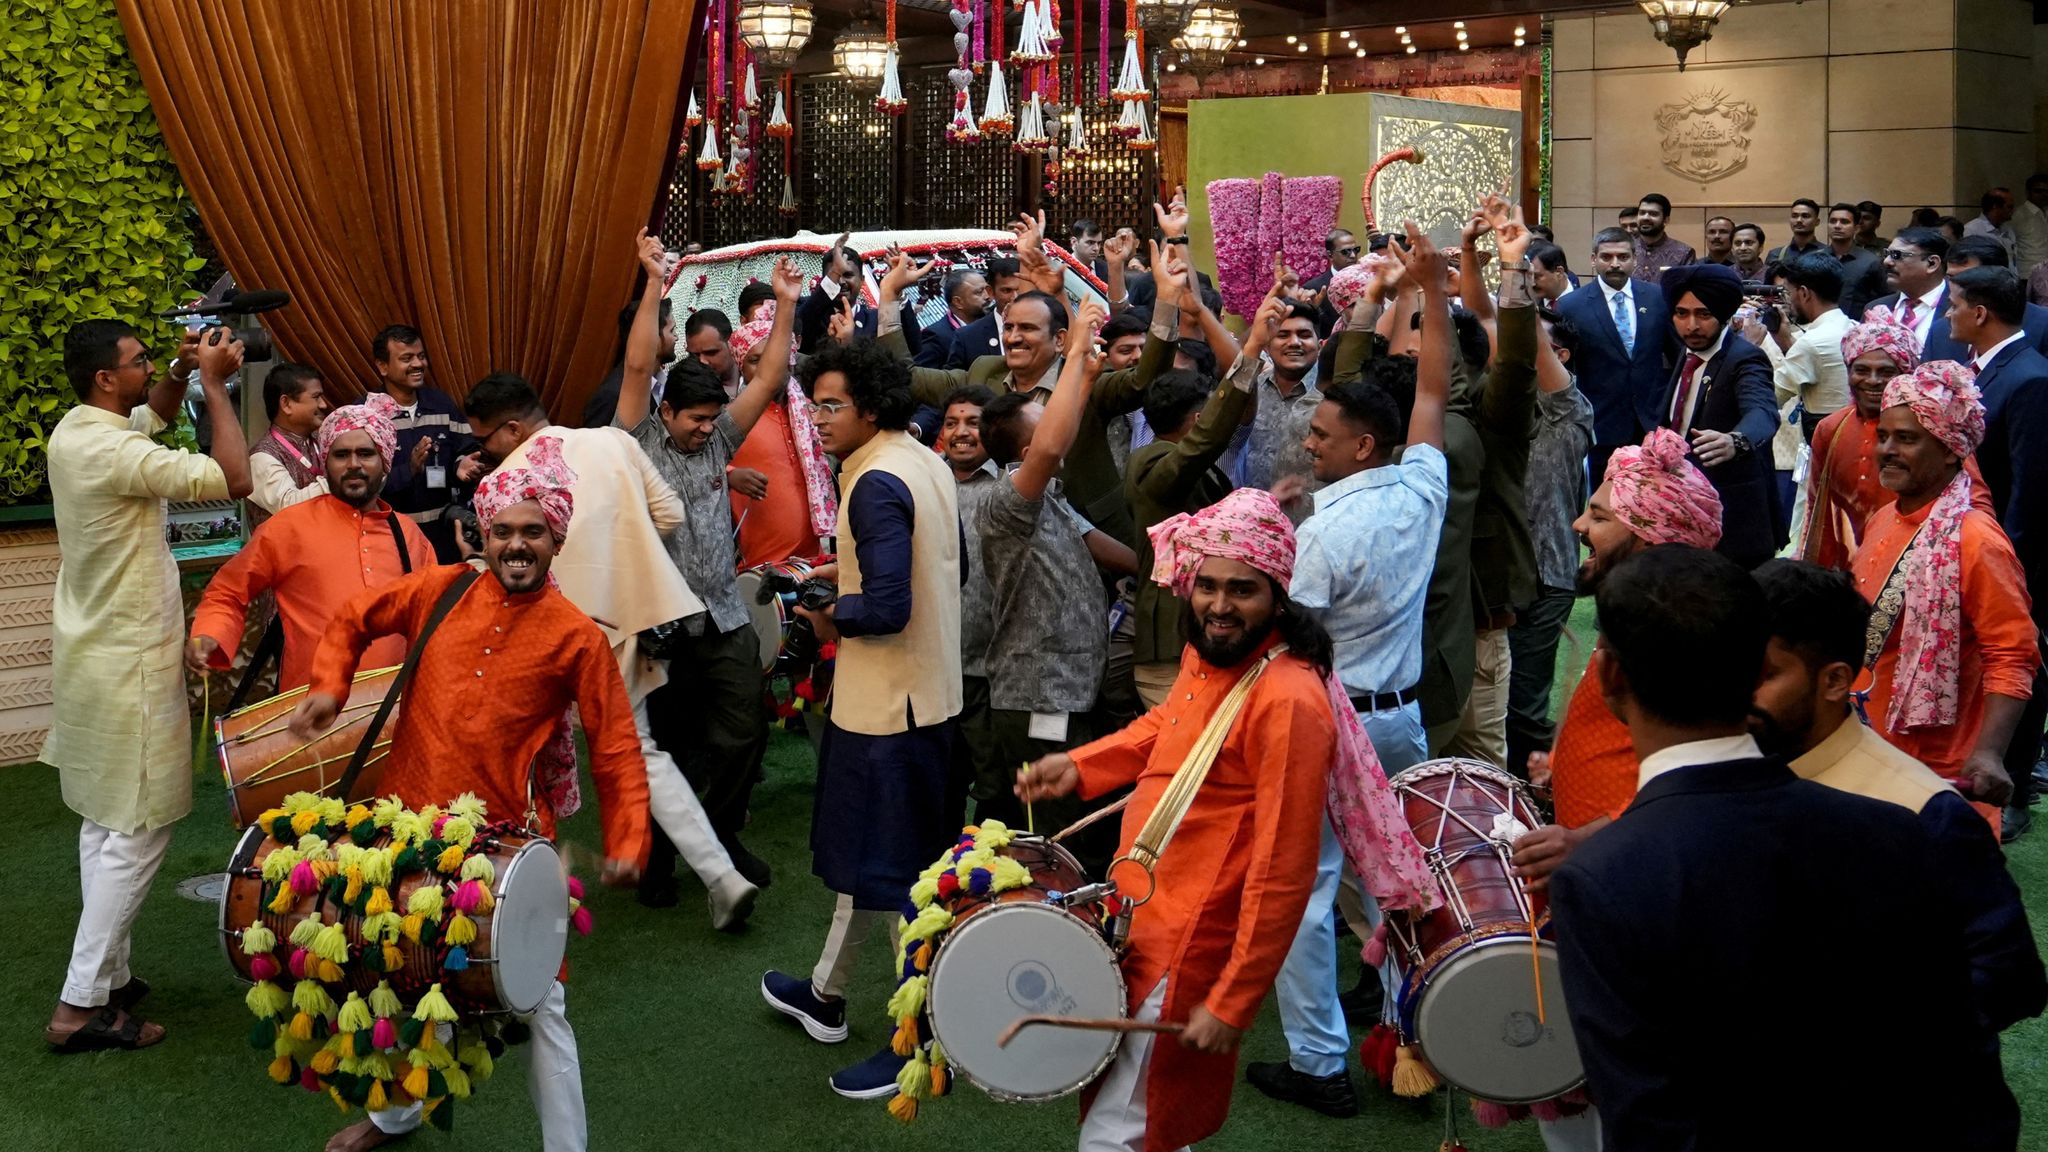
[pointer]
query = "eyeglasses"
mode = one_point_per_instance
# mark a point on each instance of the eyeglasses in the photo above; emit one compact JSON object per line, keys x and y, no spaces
{"x":830,"y":407}
{"x":141,"y":361}
{"x":1899,"y":254}
{"x":1351,"y":251}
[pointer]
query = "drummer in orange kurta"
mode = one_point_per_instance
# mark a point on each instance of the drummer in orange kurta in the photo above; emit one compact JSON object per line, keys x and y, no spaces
{"x":1231,"y":886}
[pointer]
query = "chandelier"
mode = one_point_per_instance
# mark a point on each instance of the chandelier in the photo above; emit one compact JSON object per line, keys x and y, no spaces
{"x":1683,"y":24}
{"x":1209,"y":38}
{"x":860,"y":52}
{"x":775,"y":31}
{"x":1165,"y":16}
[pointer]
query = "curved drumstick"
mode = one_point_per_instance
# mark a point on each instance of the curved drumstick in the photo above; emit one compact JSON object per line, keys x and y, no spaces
{"x":1092,"y":1024}
{"x":1092,"y":817}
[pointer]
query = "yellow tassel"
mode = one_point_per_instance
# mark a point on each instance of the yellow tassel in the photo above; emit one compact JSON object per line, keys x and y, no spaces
{"x":355,"y":885}
{"x":457,"y":832}
{"x":1412,"y":1075}
{"x":425,"y":901}
{"x":924,"y":956}
{"x":940,"y":1078}
{"x":330,"y":972}
{"x":380,"y":902}
{"x":908,"y":999}
{"x":334,"y":1094}
{"x":392,"y":960}
{"x":903,"y":1108}
{"x":303,"y":822}
{"x":905,"y":1040}
{"x":416,"y":1082}
{"x":434,"y":1006}
{"x":269,"y":817}
{"x":324,"y":870}
{"x":411,"y":926}
{"x":450,"y":861}
{"x":302,"y":1027}
{"x":484,"y":900}
{"x":283,"y":901}
{"x":281,"y":1070}
{"x":461,"y":929}
{"x":378,"y":1101}
{"x":915,"y":1078}
{"x":325,"y":1061}
{"x":458,"y":1082}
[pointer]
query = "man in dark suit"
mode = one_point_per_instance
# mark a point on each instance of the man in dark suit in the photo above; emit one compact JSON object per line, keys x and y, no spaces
{"x":1916,"y":271}
{"x":966,"y":302}
{"x":1943,"y":343}
{"x":1682,"y":919}
{"x":840,"y":283}
{"x":1624,"y":331}
{"x":983,"y":337}
{"x":1342,"y":249}
{"x":1986,"y":309}
{"x":1720,"y":398}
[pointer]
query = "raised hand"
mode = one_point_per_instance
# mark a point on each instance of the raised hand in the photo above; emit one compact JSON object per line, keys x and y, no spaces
{"x":1475,"y":227}
{"x":1266,"y":322}
{"x":1173,"y":217}
{"x":1505,"y":218}
{"x":651,"y":254}
{"x":903,"y":272}
{"x":1030,"y":230}
{"x":1424,"y":264}
{"x":788,"y":281}
{"x":1117,"y":250}
{"x":839,"y":329}
{"x":1081,"y":329}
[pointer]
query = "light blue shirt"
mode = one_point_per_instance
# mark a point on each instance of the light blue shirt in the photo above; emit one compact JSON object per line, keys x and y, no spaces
{"x":1362,"y":566}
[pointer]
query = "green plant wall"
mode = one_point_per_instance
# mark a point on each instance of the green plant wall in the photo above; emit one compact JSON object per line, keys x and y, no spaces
{"x":94,"y":221}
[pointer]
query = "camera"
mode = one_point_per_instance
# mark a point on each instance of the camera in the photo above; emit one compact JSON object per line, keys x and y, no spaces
{"x":1764,"y":293}
{"x":800,"y":642}
{"x":230,"y":316}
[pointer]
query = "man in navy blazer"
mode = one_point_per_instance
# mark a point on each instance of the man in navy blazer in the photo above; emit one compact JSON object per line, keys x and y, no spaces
{"x":1622,"y":373}
{"x":984,"y":337}
{"x":1720,"y":398}
{"x":1986,"y":308}
{"x":1721,"y":943}
{"x":1916,"y":271}
{"x":1943,"y":342}
{"x":966,"y":302}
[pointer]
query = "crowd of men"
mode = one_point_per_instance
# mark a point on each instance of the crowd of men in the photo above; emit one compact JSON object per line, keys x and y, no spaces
{"x":1073,"y":534}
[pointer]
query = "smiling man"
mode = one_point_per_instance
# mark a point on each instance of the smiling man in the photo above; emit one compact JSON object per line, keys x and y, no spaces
{"x":435,"y":452}
{"x":1286,"y":397}
{"x":283,"y":463}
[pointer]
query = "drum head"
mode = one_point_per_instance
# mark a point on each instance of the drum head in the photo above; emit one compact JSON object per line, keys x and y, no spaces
{"x":1024,"y":959}
{"x":529,"y":926}
{"x":1476,"y":1023}
{"x":767,"y":617}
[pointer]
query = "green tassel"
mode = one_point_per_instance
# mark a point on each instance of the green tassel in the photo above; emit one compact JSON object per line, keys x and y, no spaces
{"x":441,"y":1114}
{"x":263,"y":1033}
{"x":410,"y":1031}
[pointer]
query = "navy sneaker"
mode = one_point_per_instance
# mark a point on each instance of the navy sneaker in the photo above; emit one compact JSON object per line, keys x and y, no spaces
{"x":825,"y":1020}
{"x":872,"y":1079}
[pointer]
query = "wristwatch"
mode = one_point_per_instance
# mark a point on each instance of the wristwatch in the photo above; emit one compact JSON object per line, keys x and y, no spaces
{"x":1742,"y":445}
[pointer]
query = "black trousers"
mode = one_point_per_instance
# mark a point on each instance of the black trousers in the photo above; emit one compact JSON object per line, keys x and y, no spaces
{"x":1532,"y":644}
{"x":1012,"y":747}
{"x":712,"y":717}
{"x":2025,"y":747}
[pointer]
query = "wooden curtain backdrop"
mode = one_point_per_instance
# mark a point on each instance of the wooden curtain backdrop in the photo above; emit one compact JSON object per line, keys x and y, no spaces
{"x":475,"y":168}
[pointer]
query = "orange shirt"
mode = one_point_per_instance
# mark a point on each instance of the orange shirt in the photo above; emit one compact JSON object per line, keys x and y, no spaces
{"x":1844,"y":490}
{"x":495,"y":678}
{"x":1998,"y":634}
{"x":1593,"y":760}
{"x":315,"y":556}
{"x":1234,"y":881}
{"x":778,"y":525}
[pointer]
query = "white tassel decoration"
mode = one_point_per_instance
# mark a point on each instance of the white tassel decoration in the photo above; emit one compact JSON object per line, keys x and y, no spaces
{"x":1077,"y":138}
{"x":1130,"y":83}
{"x":693,"y":118}
{"x":1031,"y":135}
{"x":891,"y":100}
{"x":708,"y":160}
{"x":750,"y":92}
{"x":1031,"y":47}
{"x":995,"y":117}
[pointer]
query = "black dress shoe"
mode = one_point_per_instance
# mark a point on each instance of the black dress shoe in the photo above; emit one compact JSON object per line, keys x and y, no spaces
{"x":754,"y":868}
{"x":1330,"y":1095}
{"x":657,"y":891}
{"x":1363,"y":1004}
{"x":2015,"y":824}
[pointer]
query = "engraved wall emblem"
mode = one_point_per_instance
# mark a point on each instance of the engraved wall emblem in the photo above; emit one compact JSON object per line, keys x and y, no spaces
{"x":1706,"y":135}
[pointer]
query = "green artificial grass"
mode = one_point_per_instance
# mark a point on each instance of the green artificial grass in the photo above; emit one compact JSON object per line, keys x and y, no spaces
{"x":678,"y":1050}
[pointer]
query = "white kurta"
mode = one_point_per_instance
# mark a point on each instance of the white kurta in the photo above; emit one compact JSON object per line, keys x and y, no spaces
{"x":121,"y":737}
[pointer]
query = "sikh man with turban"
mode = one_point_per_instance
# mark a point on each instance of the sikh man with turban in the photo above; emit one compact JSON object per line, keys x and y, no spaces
{"x":1951,"y":650}
{"x":485,"y":702}
{"x":1230,"y":889}
{"x":1722,"y":404}
{"x":319,"y":553}
{"x":1651,"y":495}
{"x":1842,"y":488}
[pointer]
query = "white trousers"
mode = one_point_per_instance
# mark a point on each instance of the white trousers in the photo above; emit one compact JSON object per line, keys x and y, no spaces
{"x":673,"y":803}
{"x":850,"y":929}
{"x":554,"y":1081}
{"x":114,"y":871}
{"x":1579,"y":1133}
{"x":1116,"y":1120}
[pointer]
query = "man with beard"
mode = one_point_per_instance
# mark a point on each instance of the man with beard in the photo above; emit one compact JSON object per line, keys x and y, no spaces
{"x":1746,"y":251}
{"x":1257,"y":717}
{"x":1803,"y":220}
{"x":318,"y":554}
{"x":1720,"y":399}
{"x":1624,"y":328}
{"x":1950,"y":658}
{"x":1720,"y":241}
{"x":283,"y":464}
{"x":434,"y":444}
{"x":1657,"y":251}
{"x":1805,"y":709}
{"x":1651,"y":495}
{"x":967,"y":300}
{"x":486,"y":696}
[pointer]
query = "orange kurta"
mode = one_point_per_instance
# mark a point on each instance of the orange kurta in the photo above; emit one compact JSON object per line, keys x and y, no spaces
{"x":1593,"y":760}
{"x":778,"y":525}
{"x":1998,"y":633}
{"x":315,"y":556}
{"x":495,"y":678}
{"x":1235,"y":880}
{"x":1844,"y":491}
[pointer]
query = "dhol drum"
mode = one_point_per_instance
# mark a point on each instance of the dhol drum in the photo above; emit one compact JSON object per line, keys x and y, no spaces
{"x":263,"y":762}
{"x":772,"y":609}
{"x":1020,"y":955}
{"x":512,"y":962}
{"x":1481,"y":997}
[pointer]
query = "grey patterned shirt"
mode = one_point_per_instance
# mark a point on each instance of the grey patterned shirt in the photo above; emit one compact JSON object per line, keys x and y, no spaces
{"x":1556,"y":489}
{"x":1278,"y":428}
{"x":703,"y":548}
{"x":975,"y":625}
{"x":1048,"y":605}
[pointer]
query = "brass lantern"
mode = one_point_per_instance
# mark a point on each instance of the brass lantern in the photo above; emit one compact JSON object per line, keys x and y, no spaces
{"x":861,"y":52}
{"x":1209,"y":38}
{"x":1165,"y":17}
{"x":775,"y":31}
{"x":1683,"y":24}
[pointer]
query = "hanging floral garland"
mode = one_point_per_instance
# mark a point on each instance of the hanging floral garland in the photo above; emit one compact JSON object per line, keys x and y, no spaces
{"x":373,"y":1052}
{"x":1143,"y":141}
{"x":961,"y":129}
{"x":1130,"y":83}
{"x":996,"y":119}
{"x":1031,"y":47}
{"x":779,"y":127}
{"x":1031,"y":135}
{"x":891,"y":101}
{"x":693,"y":119}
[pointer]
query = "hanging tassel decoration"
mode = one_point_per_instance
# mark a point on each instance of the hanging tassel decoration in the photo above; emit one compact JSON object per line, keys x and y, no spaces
{"x":779,"y":127}
{"x":1143,"y":141}
{"x":788,"y":205}
{"x":995,"y":117}
{"x":750,"y":92}
{"x":891,"y":101}
{"x":1412,"y":1076}
{"x":1031,"y":47}
{"x":1130,"y":83}
{"x":1049,"y":25}
{"x":1077,"y":142}
{"x":1130,"y":123}
{"x":693,"y":118}
{"x":1031,"y":135}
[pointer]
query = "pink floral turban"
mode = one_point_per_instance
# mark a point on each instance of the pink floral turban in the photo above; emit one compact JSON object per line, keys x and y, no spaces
{"x":1246,"y":525}
{"x":1664,"y":498}
{"x":545,"y":479}
{"x":752,"y":332}
{"x":373,"y":415}
{"x":1881,"y":331}
{"x":1943,"y":395}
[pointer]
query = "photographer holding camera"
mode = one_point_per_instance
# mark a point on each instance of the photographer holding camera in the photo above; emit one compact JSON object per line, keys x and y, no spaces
{"x":1806,"y":346}
{"x":120,"y":735}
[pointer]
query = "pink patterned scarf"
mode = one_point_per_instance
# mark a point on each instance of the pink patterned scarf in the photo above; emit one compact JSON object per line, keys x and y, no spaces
{"x":1943,"y":397}
{"x":1248,"y":526}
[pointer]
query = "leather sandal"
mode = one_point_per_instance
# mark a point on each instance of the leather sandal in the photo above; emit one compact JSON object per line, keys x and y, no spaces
{"x":99,"y":1034}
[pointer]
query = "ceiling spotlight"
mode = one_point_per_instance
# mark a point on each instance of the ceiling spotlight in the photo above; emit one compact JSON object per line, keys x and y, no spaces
{"x":1462,"y":46}
{"x":1406,"y":40}
{"x":1241,"y":43}
{"x":1290,"y":39}
{"x":1520,"y":30}
{"x":1361,"y":53}
{"x":1303,"y":48}
{"x":1170,"y":66}
{"x":1401,"y":29}
{"x":1258,"y":59}
{"x":1519,"y":41}
{"x":1457,"y":23}
{"x":1461,"y":33}
{"x":1411,"y":49}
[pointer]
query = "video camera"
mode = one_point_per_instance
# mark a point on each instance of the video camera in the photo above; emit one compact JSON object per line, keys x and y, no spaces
{"x":800,"y":644}
{"x":211,"y":315}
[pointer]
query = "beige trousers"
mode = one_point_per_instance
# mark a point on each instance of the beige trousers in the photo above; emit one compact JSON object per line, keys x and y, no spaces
{"x":1483,"y":729}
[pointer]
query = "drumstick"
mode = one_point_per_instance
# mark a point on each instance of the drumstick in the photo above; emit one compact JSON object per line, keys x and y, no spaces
{"x":1030,"y":824}
{"x":1536,"y":964}
{"x":1092,"y":1024}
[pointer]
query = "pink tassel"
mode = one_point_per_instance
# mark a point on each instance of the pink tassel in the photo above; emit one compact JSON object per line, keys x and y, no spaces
{"x":581,"y":921}
{"x":1546,"y":1111}
{"x":299,"y":959}
{"x":384,"y":1034}
{"x":303,"y":880}
{"x":468,"y":895}
{"x":438,"y":822}
{"x":575,"y":888}
{"x":1490,"y":1114}
{"x":263,"y":966}
{"x":1375,"y":953}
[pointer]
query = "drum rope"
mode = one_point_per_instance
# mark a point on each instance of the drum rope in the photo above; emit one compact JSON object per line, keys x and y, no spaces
{"x":283,"y":720}
{"x":264,"y":774}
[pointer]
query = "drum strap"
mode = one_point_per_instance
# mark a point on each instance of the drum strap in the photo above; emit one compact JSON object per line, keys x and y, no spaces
{"x":368,"y":745}
{"x":1150,"y":843}
{"x":271,"y":646}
